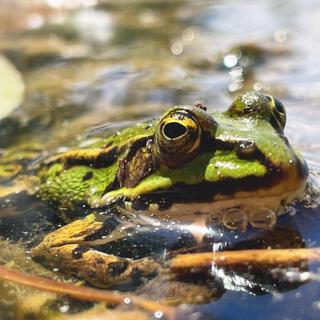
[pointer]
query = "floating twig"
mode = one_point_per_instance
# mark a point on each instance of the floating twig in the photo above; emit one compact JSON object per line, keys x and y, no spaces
{"x":244,"y":257}
{"x":84,"y":293}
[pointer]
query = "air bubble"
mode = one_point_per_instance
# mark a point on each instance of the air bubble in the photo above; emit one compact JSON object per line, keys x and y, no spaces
{"x":176,"y":48}
{"x":280,"y":36}
{"x":291,"y":210}
{"x":258,"y":86}
{"x":158,"y":314}
{"x":235,"y":219}
{"x":263,"y":218}
{"x":230,"y":61}
{"x":127,"y":300}
{"x":64,"y":308}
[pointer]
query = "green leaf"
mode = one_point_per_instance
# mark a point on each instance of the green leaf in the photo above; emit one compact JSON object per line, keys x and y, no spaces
{"x":11,"y":87}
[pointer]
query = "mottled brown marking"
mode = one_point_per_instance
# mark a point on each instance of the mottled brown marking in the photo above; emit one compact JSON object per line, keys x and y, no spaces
{"x":115,"y":269}
{"x":136,"y":164}
{"x":132,"y":171}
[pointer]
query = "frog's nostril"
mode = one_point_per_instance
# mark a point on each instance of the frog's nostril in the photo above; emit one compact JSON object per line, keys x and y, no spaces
{"x":174,"y":130}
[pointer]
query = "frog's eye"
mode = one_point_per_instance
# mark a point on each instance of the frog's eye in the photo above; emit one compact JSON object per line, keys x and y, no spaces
{"x":257,"y":105}
{"x":177,"y":137}
{"x":278,"y":113}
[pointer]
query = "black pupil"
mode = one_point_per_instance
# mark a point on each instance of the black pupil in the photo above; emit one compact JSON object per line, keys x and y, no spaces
{"x":279,"y":106}
{"x":174,"y":130}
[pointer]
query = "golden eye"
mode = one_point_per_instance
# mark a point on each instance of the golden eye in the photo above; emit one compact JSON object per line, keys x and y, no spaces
{"x":177,"y":137}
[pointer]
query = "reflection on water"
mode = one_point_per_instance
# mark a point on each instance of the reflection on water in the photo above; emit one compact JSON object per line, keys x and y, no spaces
{"x":86,"y":63}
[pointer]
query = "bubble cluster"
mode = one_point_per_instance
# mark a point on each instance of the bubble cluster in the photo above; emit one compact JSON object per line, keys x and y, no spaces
{"x":241,"y":218}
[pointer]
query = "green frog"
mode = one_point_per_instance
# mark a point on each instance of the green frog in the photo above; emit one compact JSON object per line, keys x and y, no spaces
{"x":235,"y":168}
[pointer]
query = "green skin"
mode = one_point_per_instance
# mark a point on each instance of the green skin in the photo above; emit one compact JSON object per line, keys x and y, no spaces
{"x":235,"y":157}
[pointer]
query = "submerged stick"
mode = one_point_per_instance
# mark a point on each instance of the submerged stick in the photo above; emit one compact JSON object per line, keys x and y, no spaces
{"x":244,"y":257}
{"x":84,"y":293}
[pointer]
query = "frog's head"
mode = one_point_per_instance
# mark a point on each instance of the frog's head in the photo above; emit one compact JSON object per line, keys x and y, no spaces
{"x":205,"y":161}
{"x":191,"y":160}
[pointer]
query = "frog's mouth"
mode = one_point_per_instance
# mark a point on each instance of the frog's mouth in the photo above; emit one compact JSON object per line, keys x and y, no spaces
{"x":255,"y":204}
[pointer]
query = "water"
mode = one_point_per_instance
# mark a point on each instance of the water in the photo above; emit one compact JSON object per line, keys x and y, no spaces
{"x":88,"y":63}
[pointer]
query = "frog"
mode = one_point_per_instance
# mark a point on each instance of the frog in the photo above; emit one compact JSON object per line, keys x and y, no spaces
{"x":234,"y":168}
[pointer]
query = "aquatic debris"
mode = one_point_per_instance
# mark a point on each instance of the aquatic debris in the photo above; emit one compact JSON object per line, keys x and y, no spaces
{"x":11,"y":89}
{"x":244,"y":257}
{"x":85,"y":293}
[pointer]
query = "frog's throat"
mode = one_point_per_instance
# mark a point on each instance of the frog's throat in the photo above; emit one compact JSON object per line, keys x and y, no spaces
{"x":246,"y":200}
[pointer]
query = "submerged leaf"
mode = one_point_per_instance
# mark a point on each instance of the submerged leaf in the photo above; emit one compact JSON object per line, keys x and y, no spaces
{"x":11,"y":87}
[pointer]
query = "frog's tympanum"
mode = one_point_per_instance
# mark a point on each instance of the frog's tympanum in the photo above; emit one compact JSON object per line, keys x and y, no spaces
{"x":235,"y":168}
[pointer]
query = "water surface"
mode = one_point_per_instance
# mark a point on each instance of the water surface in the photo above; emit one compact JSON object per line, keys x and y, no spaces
{"x":88,"y":63}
